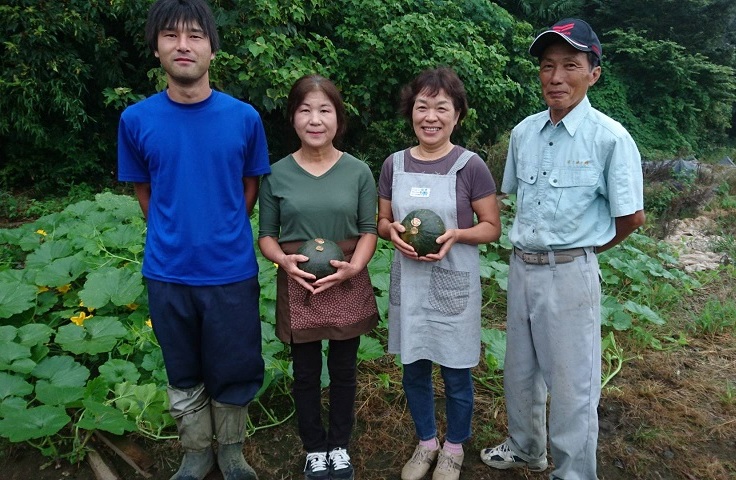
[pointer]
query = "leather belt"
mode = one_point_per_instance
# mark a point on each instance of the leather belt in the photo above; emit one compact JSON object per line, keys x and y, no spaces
{"x":542,"y":258}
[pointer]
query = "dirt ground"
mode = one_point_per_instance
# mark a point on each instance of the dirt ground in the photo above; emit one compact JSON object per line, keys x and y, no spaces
{"x":669,"y":415}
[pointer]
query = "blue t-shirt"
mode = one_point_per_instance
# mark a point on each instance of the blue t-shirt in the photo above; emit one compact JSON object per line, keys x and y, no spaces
{"x":195,"y":157}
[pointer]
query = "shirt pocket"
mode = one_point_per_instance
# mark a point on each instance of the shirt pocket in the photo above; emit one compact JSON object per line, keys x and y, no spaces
{"x":583,"y":176}
{"x":527,"y":175}
{"x":449,"y":291}
{"x":575,"y":189}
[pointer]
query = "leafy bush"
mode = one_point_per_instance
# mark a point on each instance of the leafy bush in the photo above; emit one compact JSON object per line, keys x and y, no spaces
{"x":68,"y":69}
{"x":55,"y":60}
{"x":687,"y":109}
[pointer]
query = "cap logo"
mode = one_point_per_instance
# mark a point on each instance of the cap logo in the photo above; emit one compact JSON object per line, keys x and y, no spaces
{"x":564,"y":29}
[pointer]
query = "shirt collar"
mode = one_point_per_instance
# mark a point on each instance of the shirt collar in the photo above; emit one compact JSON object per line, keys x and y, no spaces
{"x":572,"y":120}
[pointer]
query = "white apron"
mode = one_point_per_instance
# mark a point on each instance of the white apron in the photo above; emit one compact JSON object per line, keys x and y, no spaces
{"x":434,"y":307}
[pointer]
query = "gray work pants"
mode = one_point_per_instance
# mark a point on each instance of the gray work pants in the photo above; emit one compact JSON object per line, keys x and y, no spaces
{"x":554,"y":345}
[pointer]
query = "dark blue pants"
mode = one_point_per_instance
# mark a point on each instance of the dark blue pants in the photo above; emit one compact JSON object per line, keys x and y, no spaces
{"x":210,"y":335}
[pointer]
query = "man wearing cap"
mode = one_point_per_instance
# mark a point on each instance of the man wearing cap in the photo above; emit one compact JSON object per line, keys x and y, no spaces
{"x":578,"y":182}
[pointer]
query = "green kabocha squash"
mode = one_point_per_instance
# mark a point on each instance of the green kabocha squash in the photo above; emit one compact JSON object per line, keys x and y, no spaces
{"x":320,"y":251}
{"x":422,"y":229}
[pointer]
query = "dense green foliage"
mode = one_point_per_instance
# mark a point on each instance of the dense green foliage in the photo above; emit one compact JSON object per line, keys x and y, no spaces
{"x":55,"y":60}
{"x":67,"y":69}
{"x":674,"y":101}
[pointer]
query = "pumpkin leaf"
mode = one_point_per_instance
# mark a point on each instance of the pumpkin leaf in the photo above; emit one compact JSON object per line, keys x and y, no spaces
{"x":117,"y":285}
{"x":117,"y":370}
{"x":98,"y":416}
{"x":36,"y":422}
{"x":11,"y":385}
{"x":96,"y":335}
{"x":16,"y":298}
{"x":61,"y":370}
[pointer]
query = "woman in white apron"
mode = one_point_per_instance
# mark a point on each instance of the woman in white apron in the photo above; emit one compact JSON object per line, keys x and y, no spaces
{"x":434,"y":300}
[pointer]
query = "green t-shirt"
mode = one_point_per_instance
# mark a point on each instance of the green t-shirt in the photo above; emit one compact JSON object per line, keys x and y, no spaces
{"x":294,"y":205}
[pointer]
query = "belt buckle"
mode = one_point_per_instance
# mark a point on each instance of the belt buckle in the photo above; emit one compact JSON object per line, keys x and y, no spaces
{"x":534,"y":258}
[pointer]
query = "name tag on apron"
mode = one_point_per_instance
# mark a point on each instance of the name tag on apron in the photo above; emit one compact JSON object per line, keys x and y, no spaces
{"x":421,"y":192}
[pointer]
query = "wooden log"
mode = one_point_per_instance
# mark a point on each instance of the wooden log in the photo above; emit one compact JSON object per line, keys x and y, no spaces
{"x":100,"y":467}
{"x":129,"y":451}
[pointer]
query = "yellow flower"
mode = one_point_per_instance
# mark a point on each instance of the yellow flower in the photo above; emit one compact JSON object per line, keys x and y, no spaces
{"x":149,"y":323}
{"x":276,"y":265}
{"x":42,"y":289}
{"x":64,"y":288}
{"x":132,"y":306}
{"x":41,"y":232}
{"x":80,"y":318}
{"x":89,"y":309}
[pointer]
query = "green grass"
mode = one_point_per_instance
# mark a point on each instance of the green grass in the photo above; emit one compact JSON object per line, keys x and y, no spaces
{"x":729,"y":394}
{"x":716,"y":317}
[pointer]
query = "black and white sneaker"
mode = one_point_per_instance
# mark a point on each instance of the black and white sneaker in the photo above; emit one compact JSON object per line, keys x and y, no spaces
{"x":340,"y":466}
{"x":316,"y":467}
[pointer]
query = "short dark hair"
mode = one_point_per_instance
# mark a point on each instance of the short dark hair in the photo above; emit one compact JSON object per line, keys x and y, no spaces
{"x":312,"y":83}
{"x":432,"y":81}
{"x":167,"y":14}
{"x":594,"y":60}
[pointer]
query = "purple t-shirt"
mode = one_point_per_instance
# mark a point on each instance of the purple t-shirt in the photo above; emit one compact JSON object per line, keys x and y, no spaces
{"x":474,"y":180}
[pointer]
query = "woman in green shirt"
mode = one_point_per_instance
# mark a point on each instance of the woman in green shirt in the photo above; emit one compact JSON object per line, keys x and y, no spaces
{"x":320,"y":192}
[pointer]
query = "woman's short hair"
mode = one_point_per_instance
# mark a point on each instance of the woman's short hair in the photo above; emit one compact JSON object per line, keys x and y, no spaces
{"x":312,"y":83}
{"x":168,"y":14}
{"x":431,"y":81}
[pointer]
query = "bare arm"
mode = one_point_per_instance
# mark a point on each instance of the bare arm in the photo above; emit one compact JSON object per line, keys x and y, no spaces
{"x":143,"y":193}
{"x":624,"y":227}
{"x":251,"y":185}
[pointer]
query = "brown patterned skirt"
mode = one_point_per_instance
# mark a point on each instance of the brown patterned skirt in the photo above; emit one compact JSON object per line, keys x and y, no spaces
{"x":340,"y":312}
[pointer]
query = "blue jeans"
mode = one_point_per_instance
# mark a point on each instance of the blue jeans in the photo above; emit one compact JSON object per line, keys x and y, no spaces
{"x":417,"y":382}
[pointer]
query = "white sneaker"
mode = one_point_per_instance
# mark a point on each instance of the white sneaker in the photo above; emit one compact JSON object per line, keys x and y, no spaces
{"x":503,"y":458}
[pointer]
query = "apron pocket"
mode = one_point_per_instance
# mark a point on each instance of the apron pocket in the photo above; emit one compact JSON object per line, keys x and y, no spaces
{"x":394,"y":291}
{"x":449,"y":291}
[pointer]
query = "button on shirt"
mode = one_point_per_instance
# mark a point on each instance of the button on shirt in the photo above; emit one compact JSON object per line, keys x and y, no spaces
{"x":571,"y":179}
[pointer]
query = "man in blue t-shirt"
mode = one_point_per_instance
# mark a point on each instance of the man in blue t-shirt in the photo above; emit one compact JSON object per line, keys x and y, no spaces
{"x":195,"y":156}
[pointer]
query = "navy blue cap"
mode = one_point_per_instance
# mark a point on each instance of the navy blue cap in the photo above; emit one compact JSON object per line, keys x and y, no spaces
{"x":574,"y":31}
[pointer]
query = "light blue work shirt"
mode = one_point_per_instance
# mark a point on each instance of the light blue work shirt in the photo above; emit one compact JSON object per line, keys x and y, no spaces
{"x":571,"y":179}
